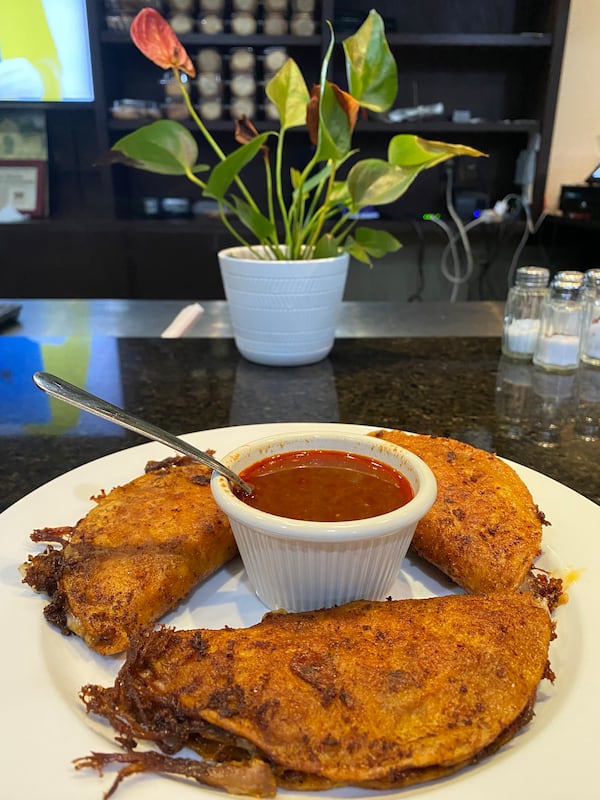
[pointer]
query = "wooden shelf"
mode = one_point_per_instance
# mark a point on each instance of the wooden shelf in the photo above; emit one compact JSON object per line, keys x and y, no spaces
{"x":487,"y":40}
{"x":223,"y":40}
{"x":500,"y":63}
{"x":516,"y":126}
{"x":447,"y":126}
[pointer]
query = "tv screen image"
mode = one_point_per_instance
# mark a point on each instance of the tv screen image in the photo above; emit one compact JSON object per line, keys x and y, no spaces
{"x":45,"y":52}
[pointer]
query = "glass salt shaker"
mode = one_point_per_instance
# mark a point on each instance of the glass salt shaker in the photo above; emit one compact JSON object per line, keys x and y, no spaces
{"x":558,"y":342}
{"x":522,"y":312}
{"x":590,"y":335}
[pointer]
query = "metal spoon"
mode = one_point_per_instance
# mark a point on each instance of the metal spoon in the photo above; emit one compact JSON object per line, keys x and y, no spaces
{"x":75,"y":396}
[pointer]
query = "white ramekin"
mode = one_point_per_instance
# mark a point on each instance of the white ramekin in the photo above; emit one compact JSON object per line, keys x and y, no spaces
{"x":300,"y":565}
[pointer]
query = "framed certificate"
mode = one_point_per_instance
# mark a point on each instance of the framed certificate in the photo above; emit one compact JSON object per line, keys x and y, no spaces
{"x":23,"y":186}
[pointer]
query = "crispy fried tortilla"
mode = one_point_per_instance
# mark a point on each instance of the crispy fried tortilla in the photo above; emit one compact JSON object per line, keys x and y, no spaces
{"x":370,"y":694}
{"x":484,"y":531}
{"x":134,"y":556}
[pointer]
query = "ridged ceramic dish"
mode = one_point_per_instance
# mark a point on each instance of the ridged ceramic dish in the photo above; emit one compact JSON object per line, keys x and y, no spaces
{"x":299,"y":565}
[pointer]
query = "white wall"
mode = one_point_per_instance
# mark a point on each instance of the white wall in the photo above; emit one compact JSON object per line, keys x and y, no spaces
{"x":576,"y":140}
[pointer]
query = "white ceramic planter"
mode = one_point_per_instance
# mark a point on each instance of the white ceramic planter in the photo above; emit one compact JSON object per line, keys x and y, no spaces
{"x":283,"y":313}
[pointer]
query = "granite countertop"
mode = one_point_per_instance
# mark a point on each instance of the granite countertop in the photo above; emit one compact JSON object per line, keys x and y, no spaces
{"x":450,"y":385}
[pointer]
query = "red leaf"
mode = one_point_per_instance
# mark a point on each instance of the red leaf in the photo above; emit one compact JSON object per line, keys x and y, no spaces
{"x":349,"y":105}
{"x":312,"y":114}
{"x":156,"y":39}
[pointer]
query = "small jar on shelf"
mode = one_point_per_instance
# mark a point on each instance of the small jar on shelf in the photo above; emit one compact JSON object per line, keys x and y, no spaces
{"x":175,"y":109}
{"x":276,"y":5}
{"x":522,"y":311}
{"x":242,"y":82}
{"x":302,"y":24}
{"x":242,"y":60}
{"x":243,"y":23}
{"x":210,"y":108}
{"x":303,"y":6}
{"x":249,"y":6}
{"x":208,"y":59}
{"x":182,"y":23}
{"x":210,"y":24}
{"x":180,"y":6}
{"x":242,"y":107}
{"x":209,"y":83}
{"x":275,"y":24}
{"x":129,"y":109}
{"x":273,"y":59}
{"x":212,"y":7}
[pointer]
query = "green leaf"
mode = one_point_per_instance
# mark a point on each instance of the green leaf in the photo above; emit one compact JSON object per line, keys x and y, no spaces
{"x":335,"y":133}
{"x":164,"y":146}
{"x":333,"y":120}
{"x":376,"y":182}
{"x":303,"y":189}
{"x":370,"y":66}
{"x":356,"y":251}
{"x":376,"y":242}
{"x":261,"y":226}
{"x":288,"y":91}
{"x":295,"y":177}
{"x":227,"y":170}
{"x":406,"y":150}
{"x":326,"y":247}
{"x":339,"y":193}
{"x":367,"y":242}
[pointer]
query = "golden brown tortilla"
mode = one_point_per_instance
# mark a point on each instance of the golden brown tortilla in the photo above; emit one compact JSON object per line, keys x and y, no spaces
{"x":484,"y":531}
{"x":134,"y":556}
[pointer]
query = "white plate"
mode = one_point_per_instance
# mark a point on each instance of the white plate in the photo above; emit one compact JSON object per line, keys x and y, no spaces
{"x":44,"y":726}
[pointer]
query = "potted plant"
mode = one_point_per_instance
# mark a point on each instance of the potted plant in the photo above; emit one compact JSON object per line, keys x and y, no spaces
{"x":301,"y":238}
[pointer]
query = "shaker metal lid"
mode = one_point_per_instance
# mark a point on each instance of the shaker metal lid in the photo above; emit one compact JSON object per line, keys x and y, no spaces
{"x":532,"y":276}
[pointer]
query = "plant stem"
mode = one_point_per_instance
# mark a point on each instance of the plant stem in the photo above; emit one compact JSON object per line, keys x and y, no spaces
{"x":300,"y":222}
{"x":269,"y":182}
{"x":209,"y":138}
{"x":322,"y":214}
{"x":224,"y":204}
{"x":279,"y":191}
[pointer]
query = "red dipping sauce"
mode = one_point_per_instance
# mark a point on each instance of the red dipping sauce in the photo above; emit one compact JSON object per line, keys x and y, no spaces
{"x":324,"y":486}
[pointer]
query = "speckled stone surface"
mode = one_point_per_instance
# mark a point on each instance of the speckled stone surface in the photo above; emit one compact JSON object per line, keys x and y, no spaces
{"x":458,"y":387}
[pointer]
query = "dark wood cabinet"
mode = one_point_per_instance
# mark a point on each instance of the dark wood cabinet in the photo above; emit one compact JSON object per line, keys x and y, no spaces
{"x":495,"y":67}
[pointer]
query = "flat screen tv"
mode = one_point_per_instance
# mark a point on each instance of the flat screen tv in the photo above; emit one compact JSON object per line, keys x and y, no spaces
{"x":45,"y":56}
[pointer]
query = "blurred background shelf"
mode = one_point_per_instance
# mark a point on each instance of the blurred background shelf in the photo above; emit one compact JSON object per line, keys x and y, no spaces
{"x":498,"y":63}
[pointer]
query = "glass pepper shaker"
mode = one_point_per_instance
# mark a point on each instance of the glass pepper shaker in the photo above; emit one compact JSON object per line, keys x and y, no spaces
{"x":590,"y":335}
{"x":522,"y":312}
{"x":558,"y":342}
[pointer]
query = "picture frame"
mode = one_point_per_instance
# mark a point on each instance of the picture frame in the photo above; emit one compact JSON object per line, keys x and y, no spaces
{"x":23,"y":186}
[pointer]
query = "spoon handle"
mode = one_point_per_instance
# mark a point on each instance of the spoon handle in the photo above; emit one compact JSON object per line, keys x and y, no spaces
{"x":75,"y":396}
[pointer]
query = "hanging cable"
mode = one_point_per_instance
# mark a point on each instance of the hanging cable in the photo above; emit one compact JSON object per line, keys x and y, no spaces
{"x":454,"y":279}
{"x":458,"y":280}
{"x":530,"y":228}
{"x":457,"y":220}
